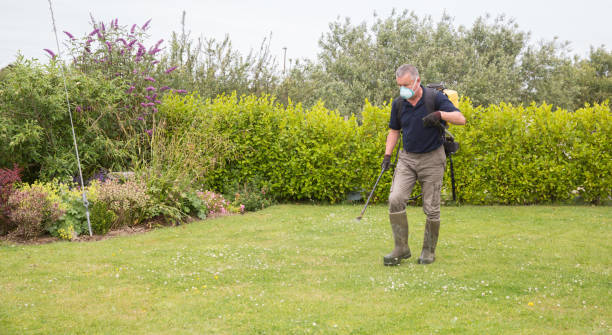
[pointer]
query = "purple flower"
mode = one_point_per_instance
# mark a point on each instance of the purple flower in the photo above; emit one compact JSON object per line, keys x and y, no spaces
{"x":154,"y":110}
{"x":133,"y":27}
{"x":150,"y":88}
{"x":154,"y":96}
{"x":144,"y":26}
{"x":116,"y":23}
{"x":51,"y":53}
{"x":180,"y":91}
{"x":101,"y":175}
{"x":140,"y":118}
{"x":110,"y":46}
{"x":150,"y":79}
{"x":150,"y":104}
{"x":154,"y":62}
{"x":143,"y":104}
{"x":171,"y":69}
{"x":103,"y":28}
{"x":78,"y":109}
{"x":89,"y":40}
{"x":131,"y":43}
{"x":94,"y":32}
{"x":149,"y":131}
{"x":158,"y":43}
{"x":129,"y":90}
{"x":164,"y":88}
{"x":148,"y":97}
{"x":137,"y":59}
{"x":87,"y":49}
{"x":157,"y":102}
{"x":69,"y":35}
{"x":154,"y":51}
{"x":122,"y":41}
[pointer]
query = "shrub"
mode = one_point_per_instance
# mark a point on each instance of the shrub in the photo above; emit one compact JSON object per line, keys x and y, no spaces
{"x":295,"y":152}
{"x":128,"y":200}
{"x":74,"y":221}
{"x":119,"y":53}
{"x":35,"y":126}
{"x":114,"y":97}
{"x":8,"y":177}
{"x":250,"y":196}
{"x":509,"y":154}
{"x":195,"y":205}
{"x":215,"y":203}
{"x":528,"y":155}
{"x":32,"y":210}
{"x":102,"y":218}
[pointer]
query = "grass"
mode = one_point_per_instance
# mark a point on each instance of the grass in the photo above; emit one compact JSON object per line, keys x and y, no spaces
{"x":300,"y":269}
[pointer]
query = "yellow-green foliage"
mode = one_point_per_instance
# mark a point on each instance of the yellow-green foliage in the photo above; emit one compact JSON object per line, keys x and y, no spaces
{"x":509,"y":154}
{"x":299,"y":154}
{"x":68,"y":199}
{"x":525,"y":155}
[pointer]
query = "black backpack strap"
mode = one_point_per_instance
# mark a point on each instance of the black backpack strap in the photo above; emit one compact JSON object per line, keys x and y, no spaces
{"x":429,"y":94}
{"x":399,"y":103}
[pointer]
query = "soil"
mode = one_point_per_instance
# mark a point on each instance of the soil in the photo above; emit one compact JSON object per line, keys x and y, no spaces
{"x":83,"y":238}
{"x":123,"y":231}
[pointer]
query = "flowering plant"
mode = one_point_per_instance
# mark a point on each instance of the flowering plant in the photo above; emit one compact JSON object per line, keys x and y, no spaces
{"x":120,"y":53}
{"x":216,"y":203}
{"x":128,"y":200}
{"x":251,"y":196}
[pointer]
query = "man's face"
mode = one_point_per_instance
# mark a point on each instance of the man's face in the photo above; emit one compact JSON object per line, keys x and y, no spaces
{"x":407,"y":81}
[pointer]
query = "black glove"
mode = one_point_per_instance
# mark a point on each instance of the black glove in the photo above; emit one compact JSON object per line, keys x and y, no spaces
{"x":432,"y":119}
{"x":386,"y":162}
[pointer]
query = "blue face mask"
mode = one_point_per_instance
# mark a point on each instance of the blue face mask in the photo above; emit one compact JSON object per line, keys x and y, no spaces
{"x":407,"y":93}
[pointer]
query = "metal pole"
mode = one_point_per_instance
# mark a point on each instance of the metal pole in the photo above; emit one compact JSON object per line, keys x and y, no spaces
{"x":284,"y":58}
{"x":76,"y":148}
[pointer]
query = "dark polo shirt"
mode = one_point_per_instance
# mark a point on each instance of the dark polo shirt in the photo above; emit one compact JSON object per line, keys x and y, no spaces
{"x":415,"y":136}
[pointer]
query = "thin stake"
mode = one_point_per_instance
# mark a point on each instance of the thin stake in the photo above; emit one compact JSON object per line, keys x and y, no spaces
{"x":76,"y":148}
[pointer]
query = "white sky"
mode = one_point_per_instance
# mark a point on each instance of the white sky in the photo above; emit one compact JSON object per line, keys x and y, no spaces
{"x":25,"y":25}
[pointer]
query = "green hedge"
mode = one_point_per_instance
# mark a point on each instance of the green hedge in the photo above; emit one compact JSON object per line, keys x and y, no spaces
{"x":509,"y":154}
{"x":527,"y":155}
{"x":298,"y":154}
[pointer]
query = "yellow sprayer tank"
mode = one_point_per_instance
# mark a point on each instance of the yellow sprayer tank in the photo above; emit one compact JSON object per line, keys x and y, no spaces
{"x":452,"y":96}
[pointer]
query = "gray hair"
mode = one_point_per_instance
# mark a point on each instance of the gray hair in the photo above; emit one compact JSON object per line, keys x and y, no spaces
{"x":407,"y":68}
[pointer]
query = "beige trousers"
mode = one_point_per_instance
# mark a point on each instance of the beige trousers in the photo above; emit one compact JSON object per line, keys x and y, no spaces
{"x":426,"y":168}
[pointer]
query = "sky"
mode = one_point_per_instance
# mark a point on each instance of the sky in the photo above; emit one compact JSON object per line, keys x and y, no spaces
{"x":25,"y":25}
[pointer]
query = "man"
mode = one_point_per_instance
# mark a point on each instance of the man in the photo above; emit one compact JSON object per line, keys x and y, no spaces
{"x":422,"y":159}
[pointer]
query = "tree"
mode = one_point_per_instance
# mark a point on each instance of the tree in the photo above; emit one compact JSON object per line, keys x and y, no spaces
{"x":596,"y":76}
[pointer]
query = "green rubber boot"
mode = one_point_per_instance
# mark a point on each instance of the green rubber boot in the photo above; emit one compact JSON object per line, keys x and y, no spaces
{"x":399,"y":226}
{"x":430,"y":239}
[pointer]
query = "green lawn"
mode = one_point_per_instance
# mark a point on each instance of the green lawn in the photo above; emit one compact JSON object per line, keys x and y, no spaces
{"x":300,"y":269}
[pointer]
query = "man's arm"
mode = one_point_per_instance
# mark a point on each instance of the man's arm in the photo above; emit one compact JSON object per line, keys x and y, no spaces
{"x":392,"y":138}
{"x":452,"y":117}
